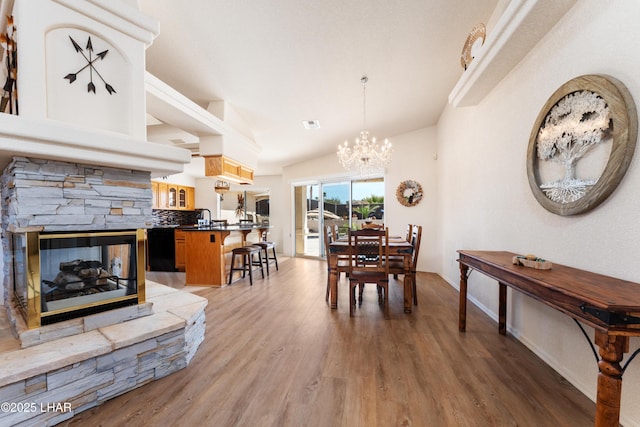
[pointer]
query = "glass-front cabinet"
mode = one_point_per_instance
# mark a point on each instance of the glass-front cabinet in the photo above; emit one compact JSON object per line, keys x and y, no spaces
{"x":171,"y":196}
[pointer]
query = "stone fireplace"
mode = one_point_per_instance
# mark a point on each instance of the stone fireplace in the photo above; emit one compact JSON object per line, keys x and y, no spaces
{"x":74,"y":238}
{"x":95,"y":328}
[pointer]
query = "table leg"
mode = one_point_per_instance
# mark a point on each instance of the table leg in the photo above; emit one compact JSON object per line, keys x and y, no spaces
{"x":502,"y":309}
{"x":408,"y":285}
{"x":333,"y":279}
{"x":612,"y":349}
{"x":462,"y":319}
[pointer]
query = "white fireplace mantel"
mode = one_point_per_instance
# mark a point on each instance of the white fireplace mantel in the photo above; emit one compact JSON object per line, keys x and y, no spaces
{"x":20,"y":136}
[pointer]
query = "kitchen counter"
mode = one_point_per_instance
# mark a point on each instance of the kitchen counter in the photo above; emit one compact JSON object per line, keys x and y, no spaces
{"x":208,"y":251}
{"x":223,"y":227}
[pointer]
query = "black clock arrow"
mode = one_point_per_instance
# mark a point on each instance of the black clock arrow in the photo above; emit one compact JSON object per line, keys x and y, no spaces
{"x":71,"y":77}
{"x":75,"y":45}
{"x":91,"y":87}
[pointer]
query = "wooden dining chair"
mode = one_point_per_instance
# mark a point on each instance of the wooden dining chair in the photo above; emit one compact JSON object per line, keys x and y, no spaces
{"x":369,"y":252}
{"x":399,"y":258}
{"x":396,"y":266}
{"x":336,"y":232}
{"x":409,"y":232}
{"x":330,"y":235}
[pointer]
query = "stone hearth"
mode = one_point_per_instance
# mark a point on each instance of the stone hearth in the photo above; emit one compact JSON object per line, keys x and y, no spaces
{"x":71,"y":374}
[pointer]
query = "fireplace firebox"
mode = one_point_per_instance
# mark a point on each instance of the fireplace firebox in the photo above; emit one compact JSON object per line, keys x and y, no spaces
{"x":61,"y":275}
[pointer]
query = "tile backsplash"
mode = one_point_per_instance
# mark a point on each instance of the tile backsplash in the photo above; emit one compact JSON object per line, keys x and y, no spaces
{"x":165,"y":217}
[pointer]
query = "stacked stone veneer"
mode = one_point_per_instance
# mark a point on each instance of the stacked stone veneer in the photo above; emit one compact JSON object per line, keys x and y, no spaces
{"x":60,"y":196}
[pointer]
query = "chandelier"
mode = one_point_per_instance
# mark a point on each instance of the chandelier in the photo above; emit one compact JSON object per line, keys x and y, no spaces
{"x":366,"y":155}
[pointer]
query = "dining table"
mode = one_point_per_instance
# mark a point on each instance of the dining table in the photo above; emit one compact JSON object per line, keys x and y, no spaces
{"x":398,"y":247}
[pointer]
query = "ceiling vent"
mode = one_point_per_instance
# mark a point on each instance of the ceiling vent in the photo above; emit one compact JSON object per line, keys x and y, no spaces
{"x":311,"y":124}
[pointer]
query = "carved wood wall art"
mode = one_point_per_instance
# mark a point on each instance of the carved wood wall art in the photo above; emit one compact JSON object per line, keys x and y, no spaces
{"x":581,"y":144}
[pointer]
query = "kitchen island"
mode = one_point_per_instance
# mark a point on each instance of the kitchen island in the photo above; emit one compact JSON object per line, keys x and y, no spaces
{"x":208,"y":251}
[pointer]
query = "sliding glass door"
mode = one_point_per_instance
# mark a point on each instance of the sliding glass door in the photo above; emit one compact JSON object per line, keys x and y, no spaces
{"x":337,"y":209}
{"x":343,"y":204}
{"x":307,"y":202}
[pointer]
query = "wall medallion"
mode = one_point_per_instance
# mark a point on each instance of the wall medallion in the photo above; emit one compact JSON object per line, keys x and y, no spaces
{"x":475,"y":39}
{"x":409,"y":193}
{"x":581,"y":144}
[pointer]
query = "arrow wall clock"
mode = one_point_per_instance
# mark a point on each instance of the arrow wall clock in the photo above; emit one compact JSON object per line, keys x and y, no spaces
{"x":90,"y":69}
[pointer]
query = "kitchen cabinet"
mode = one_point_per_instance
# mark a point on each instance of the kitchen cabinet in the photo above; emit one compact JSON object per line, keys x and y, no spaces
{"x":226,"y":168}
{"x":182,"y":197}
{"x":180,"y":250}
{"x":172,"y":196}
{"x":191,"y":198}
{"x":154,"y":195}
{"x":163,"y":195}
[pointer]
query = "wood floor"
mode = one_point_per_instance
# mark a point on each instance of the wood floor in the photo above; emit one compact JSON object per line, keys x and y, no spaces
{"x":275,"y":354}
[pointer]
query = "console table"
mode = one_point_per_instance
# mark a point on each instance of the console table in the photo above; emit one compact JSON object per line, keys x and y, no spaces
{"x":611,"y":306}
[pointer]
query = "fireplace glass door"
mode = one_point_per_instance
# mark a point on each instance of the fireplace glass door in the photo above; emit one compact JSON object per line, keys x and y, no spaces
{"x":81,"y":273}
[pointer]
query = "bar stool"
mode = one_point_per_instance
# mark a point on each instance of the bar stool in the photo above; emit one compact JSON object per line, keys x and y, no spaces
{"x":246,"y":253}
{"x":273,"y":259}
{"x":266,"y":245}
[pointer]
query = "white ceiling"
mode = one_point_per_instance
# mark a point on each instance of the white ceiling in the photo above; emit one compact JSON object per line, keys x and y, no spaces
{"x":279,"y":63}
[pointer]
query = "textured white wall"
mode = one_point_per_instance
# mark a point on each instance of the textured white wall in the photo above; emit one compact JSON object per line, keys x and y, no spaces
{"x":485,"y":201}
{"x":414,"y":157}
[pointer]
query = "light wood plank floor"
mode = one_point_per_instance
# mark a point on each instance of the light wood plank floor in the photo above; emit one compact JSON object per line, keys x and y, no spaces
{"x":275,"y":354}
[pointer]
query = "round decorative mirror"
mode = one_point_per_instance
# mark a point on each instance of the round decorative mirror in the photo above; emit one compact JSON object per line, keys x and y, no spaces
{"x":409,"y":193}
{"x":581,"y":144}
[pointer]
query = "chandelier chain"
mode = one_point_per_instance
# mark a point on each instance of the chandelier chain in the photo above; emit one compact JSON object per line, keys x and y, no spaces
{"x":364,"y":81}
